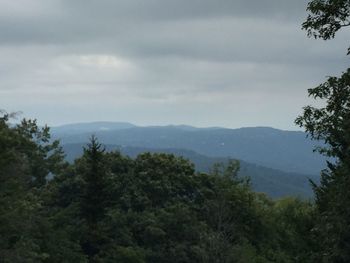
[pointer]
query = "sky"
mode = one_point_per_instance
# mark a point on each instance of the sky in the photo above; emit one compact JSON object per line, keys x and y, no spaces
{"x":229,"y":63}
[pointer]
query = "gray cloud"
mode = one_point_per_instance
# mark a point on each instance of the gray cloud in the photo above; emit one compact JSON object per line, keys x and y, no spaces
{"x":202,"y":62}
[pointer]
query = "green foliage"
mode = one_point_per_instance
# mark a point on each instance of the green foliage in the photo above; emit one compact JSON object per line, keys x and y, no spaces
{"x":327,"y":17}
{"x":107,"y":207}
{"x":27,"y":158}
{"x":331,"y":124}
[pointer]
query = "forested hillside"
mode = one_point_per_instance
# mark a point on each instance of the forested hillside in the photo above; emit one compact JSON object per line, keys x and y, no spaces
{"x":274,"y":183}
{"x":106,"y":207}
{"x":114,"y":192}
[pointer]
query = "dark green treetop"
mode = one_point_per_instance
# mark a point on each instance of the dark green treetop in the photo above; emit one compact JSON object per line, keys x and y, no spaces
{"x":326,"y":17}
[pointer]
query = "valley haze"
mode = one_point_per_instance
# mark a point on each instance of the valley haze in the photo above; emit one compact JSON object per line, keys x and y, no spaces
{"x":279,"y":162}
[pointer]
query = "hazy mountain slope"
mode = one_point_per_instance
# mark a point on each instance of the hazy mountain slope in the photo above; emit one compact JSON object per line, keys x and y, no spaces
{"x":273,"y":182}
{"x":89,"y":127}
{"x":289,"y":151}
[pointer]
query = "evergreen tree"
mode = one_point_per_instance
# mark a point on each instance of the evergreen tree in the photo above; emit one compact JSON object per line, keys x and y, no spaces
{"x":93,"y":170}
{"x":94,"y":174}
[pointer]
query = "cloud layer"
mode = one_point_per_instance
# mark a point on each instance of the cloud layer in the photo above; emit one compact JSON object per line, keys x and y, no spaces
{"x":200,"y":62}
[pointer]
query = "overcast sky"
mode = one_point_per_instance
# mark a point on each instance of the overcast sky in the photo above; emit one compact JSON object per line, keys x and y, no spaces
{"x":230,"y":63}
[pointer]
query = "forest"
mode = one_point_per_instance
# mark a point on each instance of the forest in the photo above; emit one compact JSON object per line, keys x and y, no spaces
{"x":108,"y":207}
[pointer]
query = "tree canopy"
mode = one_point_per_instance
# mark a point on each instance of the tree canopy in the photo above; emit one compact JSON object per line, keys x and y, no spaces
{"x":106,"y":207}
{"x":331,"y":124}
{"x":326,"y":18}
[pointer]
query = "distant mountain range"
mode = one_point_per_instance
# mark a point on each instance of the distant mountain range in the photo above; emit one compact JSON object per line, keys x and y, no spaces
{"x":288,"y":151}
{"x":278,"y":162}
{"x":90,"y":127}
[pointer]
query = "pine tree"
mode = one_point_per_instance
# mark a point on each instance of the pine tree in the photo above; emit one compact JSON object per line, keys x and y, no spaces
{"x":94,"y":173}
